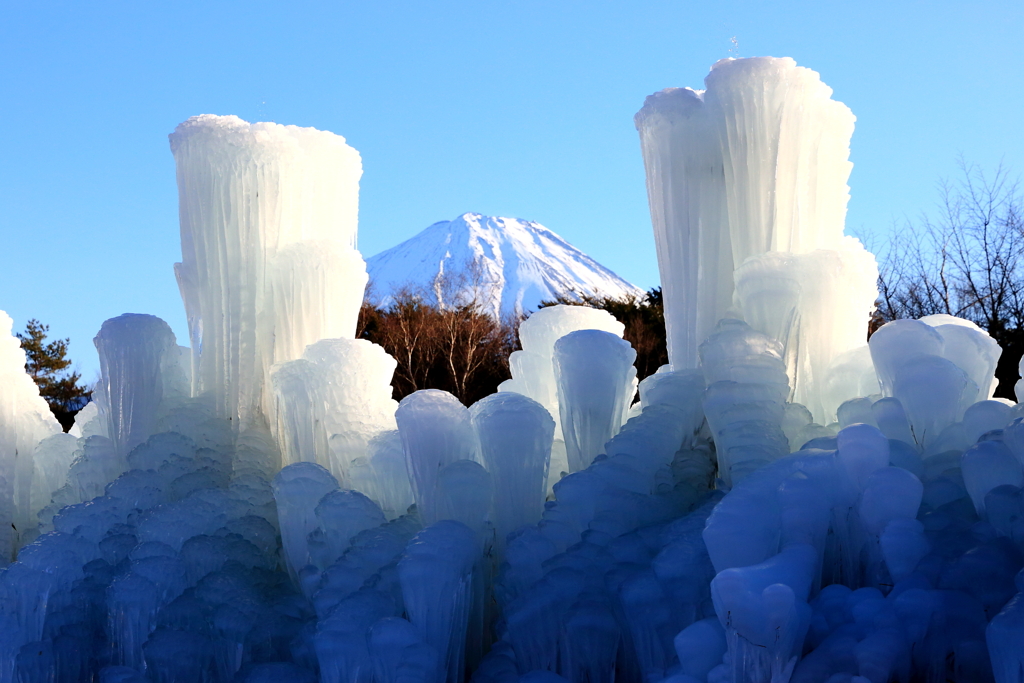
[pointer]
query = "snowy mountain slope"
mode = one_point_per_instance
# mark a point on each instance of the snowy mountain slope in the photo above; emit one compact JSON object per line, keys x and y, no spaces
{"x":511,"y":264}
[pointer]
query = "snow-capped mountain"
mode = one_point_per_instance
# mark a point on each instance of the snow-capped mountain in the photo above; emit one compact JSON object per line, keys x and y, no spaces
{"x":510,"y":265}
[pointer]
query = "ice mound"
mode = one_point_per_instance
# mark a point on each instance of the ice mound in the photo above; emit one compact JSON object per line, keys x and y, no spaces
{"x":533,"y":367}
{"x":25,"y":420}
{"x":332,"y":402}
{"x":141,"y":375}
{"x":783,"y":503}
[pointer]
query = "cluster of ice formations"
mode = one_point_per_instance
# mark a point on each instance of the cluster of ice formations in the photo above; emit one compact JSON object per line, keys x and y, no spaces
{"x":259,"y":509}
{"x":747,"y":188}
{"x":542,"y":372}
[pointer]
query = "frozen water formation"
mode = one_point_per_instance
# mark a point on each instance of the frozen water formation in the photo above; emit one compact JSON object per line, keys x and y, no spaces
{"x":747,"y":187}
{"x":268,"y":238}
{"x":783,"y":503}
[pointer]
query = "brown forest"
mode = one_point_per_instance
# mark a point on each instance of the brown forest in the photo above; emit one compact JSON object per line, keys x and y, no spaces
{"x":461,"y":349}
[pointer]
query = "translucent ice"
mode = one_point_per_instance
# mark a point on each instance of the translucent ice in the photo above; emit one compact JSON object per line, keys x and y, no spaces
{"x":24,"y":420}
{"x":342,"y":515}
{"x":687,"y":546}
{"x":400,"y":653}
{"x":682,"y":389}
{"x":971,"y":348}
{"x":332,"y":401}
{"x":596,"y":381}
{"x":890,"y":493}
{"x":850,"y":374}
{"x":316,"y":288}
{"x":817,"y":305}
{"x":391,"y":488}
{"x":248,"y":195}
{"x":51,"y":461}
{"x":863,"y":450}
{"x":934,"y":393}
{"x":987,"y":465}
{"x":685,"y":190}
{"x":903,"y":544}
{"x":515,"y":435}
{"x":298,"y":489}
{"x":341,"y":644}
{"x":700,"y":647}
{"x":745,"y":400}
{"x":140,"y":374}
{"x":436,"y":576}
{"x":89,"y":422}
{"x":898,"y":341}
{"x":1003,"y":638}
{"x":532,"y":367}
{"x":465,"y":493}
{"x":732,"y":173}
{"x":763,"y":612}
{"x":436,"y":430}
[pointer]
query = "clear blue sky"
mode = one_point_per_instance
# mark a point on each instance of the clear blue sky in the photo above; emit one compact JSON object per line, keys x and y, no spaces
{"x":506,"y":108}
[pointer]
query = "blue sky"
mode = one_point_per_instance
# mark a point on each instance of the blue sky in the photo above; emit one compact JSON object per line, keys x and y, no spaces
{"x":505,"y":108}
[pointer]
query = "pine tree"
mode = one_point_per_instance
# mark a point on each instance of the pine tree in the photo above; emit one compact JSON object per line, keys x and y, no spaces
{"x":48,"y":364}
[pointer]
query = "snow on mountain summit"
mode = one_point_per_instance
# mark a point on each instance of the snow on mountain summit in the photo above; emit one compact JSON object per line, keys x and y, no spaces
{"x":511,"y":264}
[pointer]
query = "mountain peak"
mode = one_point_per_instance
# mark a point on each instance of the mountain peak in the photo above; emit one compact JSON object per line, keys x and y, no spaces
{"x":509,"y":265}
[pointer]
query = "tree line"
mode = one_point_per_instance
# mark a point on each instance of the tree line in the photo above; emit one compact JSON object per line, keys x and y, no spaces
{"x":462,"y":349}
{"x":967,"y":260}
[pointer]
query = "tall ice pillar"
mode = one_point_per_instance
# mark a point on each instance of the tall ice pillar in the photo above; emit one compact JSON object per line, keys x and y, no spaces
{"x":268,"y":235}
{"x":757,"y":165}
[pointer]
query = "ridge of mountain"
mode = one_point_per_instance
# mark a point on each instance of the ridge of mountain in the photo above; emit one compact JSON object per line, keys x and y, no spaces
{"x":509,"y":265}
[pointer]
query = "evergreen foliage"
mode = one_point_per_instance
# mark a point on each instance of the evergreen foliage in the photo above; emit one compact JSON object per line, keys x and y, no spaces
{"x":48,"y":364}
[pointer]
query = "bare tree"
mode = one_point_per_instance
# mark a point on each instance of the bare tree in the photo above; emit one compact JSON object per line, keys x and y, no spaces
{"x":967,"y":262}
{"x":443,"y":337}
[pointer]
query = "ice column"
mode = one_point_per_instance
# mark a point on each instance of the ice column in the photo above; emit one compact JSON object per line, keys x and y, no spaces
{"x":785,"y":148}
{"x":392,"y":489}
{"x":515,"y":435}
{"x":1003,"y":636}
{"x":298,"y":490}
{"x":52,"y":459}
{"x":686,"y":193}
{"x":25,"y":419}
{"x":850,"y":374}
{"x":436,"y":575}
{"x":935,"y":371}
{"x":596,"y":381}
{"x":756,"y":163}
{"x":341,"y":515}
{"x":971,"y":348}
{"x":139,"y":371}
{"x":436,"y":431}
{"x":317,"y":289}
{"x":533,"y":372}
{"x":745,"y":398}
{"x":268,"y":228}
